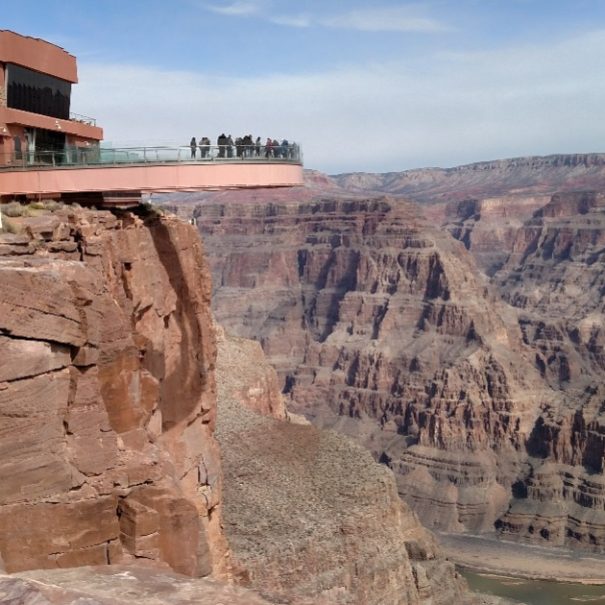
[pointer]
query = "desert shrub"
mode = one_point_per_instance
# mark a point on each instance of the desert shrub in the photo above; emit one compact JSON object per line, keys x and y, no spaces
{"x":13,"y":209}
{"x":9,"y":226}
{"x":53,"y":205}
{"x":36,"y":205}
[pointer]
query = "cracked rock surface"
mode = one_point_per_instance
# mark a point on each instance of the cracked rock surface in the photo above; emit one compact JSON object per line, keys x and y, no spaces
{"x":107,"y":395}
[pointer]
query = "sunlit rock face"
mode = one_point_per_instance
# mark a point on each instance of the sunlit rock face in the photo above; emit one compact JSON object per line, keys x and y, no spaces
{"x":107,"y":395}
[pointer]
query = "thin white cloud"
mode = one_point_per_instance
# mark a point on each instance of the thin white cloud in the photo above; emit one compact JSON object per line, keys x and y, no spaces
{"x":375,"y":19}
{"x":384,"y":19}
{"x":292,"y":20}
{"x":444,"y":110}
{"x":241,"y":8}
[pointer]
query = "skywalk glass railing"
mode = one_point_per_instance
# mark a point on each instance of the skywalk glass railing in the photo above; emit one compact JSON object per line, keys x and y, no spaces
{"x":100,"y":156}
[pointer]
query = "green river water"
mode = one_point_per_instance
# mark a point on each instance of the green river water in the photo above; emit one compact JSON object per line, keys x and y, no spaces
{"x":535,"y":592}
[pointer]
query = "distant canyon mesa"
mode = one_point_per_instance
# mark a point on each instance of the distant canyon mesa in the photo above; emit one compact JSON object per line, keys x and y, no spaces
{"x":450,"y":320}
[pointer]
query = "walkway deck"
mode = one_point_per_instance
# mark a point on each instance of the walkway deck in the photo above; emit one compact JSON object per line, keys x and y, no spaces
{"x":144,"y":170}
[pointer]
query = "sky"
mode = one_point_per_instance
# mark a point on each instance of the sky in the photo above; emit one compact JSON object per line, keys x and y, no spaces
{"x":374,"y":86}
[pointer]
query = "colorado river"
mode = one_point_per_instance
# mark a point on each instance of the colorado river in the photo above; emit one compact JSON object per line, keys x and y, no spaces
{"x":535,"y":592}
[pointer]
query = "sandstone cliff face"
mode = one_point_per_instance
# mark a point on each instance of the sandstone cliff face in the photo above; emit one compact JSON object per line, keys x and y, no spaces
{"x":555,"y":278}
{"x":488,"y":227}
{"x":310,"y":517}
{"x":381,"y":326}
{"x":107,"y":395}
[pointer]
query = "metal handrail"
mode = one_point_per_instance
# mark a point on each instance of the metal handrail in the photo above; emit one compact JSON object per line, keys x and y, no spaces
{"x":100,"y":156}
{"x":78,"y":117}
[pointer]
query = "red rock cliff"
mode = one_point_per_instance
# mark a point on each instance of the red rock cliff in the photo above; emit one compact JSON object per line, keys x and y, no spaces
{"x":555,"y":278}
{"x":107,"y":395}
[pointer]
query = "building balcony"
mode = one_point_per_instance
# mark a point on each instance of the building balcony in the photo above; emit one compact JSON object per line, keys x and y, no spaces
{"x":81,"y":128}
{"x":78,"y":117}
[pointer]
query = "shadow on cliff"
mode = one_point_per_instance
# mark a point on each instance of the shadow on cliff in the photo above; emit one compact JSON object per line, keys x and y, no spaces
{"x":182,"y":386}
{"x":347,"y":283}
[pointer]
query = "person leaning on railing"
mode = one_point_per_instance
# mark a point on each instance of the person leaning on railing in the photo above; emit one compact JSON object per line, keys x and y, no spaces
{"x":269,"y":148}
{"x":204,"y":143}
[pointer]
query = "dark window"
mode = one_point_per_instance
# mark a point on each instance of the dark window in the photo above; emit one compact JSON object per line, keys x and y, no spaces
{"x":37,"y":92}
{"x":50,"y":146}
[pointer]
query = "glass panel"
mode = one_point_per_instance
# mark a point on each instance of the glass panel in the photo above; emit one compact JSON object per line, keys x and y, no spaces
{"x":37,"y":92}
{"x":49,"y":141}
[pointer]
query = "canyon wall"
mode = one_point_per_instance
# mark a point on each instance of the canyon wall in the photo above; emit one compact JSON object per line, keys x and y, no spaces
{"x":107,"y":394}
{"x":545,"y":256}
{"x":381,"y":326}
{"x":555,"y":278}
{"x":488,"y":227}
{"x":483,"y":395}
{"x":110,"y":469}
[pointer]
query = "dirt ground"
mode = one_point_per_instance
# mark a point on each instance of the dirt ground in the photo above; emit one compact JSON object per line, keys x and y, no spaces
{"x":488,"y":554}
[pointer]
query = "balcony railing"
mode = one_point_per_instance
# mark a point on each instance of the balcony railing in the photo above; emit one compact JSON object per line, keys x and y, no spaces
{"x":77,"y":117}
{"x":100,"y":156}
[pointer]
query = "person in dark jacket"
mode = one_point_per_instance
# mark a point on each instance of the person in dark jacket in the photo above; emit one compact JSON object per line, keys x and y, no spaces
{"x":193,"y":145}
{"x":204,"y":147}
{"x":221,"y":142}
{"x":248,"y":146}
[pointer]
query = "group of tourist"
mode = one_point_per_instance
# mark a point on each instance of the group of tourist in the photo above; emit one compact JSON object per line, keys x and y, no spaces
{"x":243,"y":147}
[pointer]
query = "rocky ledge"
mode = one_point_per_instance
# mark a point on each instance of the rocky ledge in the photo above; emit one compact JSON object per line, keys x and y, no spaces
{"x":119,"y":585}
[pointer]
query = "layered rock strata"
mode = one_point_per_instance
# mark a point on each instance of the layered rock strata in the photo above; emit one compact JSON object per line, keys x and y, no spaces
{"x":555,"y":278}
{"x":107,"y":394}
{"x":531,"y":175}
{"x":310,"y":517}
{"x":488,"y":227}
{"x":382,"y":326}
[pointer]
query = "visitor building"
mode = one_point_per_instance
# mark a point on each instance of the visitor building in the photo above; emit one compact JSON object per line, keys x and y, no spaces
{"x":48,"y":151}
